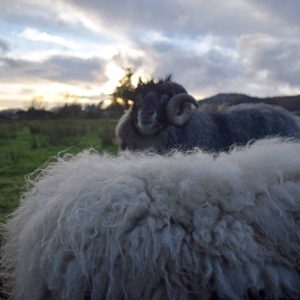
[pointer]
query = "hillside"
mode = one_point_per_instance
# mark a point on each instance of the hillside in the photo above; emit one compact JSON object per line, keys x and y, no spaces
{"x":291,"y":103}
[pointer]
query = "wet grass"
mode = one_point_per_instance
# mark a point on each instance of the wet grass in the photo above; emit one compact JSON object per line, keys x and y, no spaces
{"x":27,"y":145}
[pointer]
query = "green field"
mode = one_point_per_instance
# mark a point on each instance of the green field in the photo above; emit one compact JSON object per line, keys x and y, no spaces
{"x":27,"y":145}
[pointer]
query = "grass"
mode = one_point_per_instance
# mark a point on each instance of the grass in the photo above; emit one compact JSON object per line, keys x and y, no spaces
{"x":27,"y":145}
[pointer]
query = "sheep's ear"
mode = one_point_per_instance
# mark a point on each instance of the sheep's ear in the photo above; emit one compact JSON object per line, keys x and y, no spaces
{"x":180,"y":109}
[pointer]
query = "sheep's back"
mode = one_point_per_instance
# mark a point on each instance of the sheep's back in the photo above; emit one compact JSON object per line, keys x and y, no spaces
{"x":153,"y":227}
{"x":250,"y":121}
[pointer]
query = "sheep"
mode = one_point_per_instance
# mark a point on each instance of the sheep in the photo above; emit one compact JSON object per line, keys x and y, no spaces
{"x":164,"y":116}
{"x":146,"y":226}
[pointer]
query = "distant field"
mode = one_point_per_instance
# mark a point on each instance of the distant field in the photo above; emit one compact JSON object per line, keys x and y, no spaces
{"x":27,"y":145}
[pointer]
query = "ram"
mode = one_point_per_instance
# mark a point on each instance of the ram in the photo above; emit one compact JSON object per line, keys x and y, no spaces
{"x":147,"y":226}
{"x":164,"y":116}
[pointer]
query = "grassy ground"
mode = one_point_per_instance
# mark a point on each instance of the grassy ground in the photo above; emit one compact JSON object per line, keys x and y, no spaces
{"x":27,"y":145}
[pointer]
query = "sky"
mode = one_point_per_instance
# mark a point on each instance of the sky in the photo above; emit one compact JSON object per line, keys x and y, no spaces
{"x":74,"y":50}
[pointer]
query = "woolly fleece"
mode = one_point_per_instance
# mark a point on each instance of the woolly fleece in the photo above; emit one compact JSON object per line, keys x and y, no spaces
{"x":141,"y":226}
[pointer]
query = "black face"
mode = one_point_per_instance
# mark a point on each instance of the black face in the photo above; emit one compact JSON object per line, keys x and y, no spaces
{"x":149,"y":112}
{"x":150,"y":101}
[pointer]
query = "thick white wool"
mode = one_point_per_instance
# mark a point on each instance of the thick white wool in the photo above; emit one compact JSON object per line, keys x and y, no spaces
{"x":141,"y":226}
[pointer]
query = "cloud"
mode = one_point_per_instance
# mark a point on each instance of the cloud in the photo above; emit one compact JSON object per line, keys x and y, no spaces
{"x":288,"y":12}
{"x":66,"y":69}
{"x":36,"y":35}
{"x":26,"y":91}
{"x":189,"y":18}
{"x":276,"y":60}
{"x":45,"y":16}
{"x":201,"y":74}
{"x":217,"y":69}
{"x":209,"y":46}
{"x":4,"y":47}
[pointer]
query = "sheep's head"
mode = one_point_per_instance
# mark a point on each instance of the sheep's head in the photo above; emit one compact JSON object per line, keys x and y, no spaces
{"x":159,"y":104}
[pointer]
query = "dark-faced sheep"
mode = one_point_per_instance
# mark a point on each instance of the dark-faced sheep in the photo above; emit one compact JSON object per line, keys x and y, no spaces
{"x":142,"y":226}
{"x":164,"y":116}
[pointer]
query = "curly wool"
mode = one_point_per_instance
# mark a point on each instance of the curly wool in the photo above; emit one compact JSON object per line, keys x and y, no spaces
{"x":141,"y":226}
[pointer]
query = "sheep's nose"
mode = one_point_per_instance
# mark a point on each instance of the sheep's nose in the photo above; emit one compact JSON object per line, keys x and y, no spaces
{"x":147,"y":113}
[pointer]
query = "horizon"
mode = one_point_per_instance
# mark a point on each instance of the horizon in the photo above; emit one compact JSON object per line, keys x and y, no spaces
{"x":78,"y":51}
{"x":103,"y":106}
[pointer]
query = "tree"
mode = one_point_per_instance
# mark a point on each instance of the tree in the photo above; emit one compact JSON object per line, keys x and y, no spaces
{"x":37,"y":103}
{"x":72,"y":110}
{"x":122,"y":93}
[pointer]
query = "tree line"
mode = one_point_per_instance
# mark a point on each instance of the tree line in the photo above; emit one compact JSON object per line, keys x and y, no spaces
{"x":120,"y":101}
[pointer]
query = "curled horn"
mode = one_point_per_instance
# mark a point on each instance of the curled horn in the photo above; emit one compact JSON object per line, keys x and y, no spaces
{"x":180,"y":108}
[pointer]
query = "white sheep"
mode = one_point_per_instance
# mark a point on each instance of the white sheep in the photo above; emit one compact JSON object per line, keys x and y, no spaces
{"x":141,"y":226}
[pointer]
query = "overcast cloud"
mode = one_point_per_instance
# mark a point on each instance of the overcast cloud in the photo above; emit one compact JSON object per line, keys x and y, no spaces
{"x":56,"y":68}
{"x":209,"y":46}
{"x":3,"y":46}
